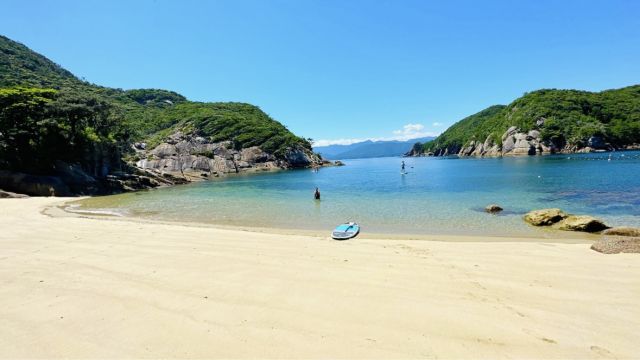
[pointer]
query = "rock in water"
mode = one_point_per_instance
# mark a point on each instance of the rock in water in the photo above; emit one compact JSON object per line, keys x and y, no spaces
{"x":544,"y":217}
{"x":622,"y":231}
{"x":581,"y":223}
{"x":493,"y":208}
{"x":617,"y":245}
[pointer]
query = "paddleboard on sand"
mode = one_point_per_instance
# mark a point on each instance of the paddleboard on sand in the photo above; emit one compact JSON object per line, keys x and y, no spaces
{"x":345,"y":231}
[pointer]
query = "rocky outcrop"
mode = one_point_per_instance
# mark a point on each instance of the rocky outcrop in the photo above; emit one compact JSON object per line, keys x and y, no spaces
{"x":515,"y":142}
{"x":616,"y":245}
{"x":581,"y":223}
{"x":622,"y":231}
{"x":562,"y":221}
{"x":493,"y":208}
{"x":544,"y":217}
{"x":193,"y":157}
{"x":179,"y":159}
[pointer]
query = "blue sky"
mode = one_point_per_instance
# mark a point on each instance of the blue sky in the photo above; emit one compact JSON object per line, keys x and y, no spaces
{"x":343,"y":69}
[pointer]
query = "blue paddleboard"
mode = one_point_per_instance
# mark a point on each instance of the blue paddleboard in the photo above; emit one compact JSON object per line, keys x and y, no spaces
{"x":345,"y":231}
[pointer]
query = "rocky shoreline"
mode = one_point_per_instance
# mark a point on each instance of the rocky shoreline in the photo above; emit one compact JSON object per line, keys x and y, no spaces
{"x":180,"y":158}
{"x":195,"y":158}
{"x":515,"y":142}
{"x":614,"y":240}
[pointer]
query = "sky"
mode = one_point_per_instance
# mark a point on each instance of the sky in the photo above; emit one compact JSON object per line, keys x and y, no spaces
{"x":339,"y":71}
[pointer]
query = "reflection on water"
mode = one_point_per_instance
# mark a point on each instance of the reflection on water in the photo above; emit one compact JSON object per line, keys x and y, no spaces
{"x":438,"y":195}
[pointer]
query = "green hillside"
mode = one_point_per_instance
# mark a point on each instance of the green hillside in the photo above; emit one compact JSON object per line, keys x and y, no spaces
{"x":48,"y":114}
{"x":565,"y":119}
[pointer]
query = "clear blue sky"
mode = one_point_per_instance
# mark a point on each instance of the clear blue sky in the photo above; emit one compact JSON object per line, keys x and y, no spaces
{"x":344,"y":68}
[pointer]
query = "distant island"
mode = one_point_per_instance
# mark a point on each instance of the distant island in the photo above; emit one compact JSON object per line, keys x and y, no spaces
{"x":60,"y":135}
{"x":368,"y":149}
{"x":545,"y":122}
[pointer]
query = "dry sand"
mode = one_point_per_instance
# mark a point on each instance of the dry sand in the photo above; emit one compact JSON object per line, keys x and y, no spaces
{"x":76,"y":287}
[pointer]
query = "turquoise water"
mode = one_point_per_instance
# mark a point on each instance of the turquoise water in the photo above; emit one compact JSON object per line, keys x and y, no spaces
{"x":437,"y":196}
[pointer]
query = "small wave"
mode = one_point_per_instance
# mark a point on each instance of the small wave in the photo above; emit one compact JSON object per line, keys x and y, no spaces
{"x":109,"y":212}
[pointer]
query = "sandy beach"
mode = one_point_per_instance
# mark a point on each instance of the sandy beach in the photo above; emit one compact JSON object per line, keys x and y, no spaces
{"x":76,"y":287}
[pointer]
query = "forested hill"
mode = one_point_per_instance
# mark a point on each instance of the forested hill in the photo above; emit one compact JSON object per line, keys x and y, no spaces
{"x":54,"y":124}
{"x":546,"y":121}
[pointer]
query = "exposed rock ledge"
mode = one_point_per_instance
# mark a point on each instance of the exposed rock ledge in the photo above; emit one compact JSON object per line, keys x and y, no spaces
{"x":194,"y":157}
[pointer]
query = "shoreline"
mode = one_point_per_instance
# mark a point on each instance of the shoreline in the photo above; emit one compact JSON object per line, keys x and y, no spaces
{"x":551,"y":235}
{"x":84,"y":287}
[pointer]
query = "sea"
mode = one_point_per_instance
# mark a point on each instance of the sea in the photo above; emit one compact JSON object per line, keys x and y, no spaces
{"x":437,"y":195}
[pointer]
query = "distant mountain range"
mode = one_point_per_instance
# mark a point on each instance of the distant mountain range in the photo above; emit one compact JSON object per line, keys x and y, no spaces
{"x":368,"y":149}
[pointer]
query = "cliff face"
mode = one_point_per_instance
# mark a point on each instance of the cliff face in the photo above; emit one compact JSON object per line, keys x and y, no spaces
{"x":514,"y":142}
{"x":193,"y":157}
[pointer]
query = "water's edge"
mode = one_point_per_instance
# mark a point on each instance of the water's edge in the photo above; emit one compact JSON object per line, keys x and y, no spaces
{"x":554,"y":236}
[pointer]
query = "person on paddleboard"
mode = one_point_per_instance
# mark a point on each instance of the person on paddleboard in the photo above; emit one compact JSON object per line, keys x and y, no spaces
{"x":402,"y":165}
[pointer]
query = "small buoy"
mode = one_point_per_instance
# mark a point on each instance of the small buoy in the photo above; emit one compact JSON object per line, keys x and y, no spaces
{"x":539,"y":176}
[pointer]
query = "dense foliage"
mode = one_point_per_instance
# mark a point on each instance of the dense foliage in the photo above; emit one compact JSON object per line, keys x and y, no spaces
{"x":474,"y":127}
{"x":40,"y":126}
{"x":569,"y":117}
{"x":21,"y":66}
{"x":48,"y":114}
{"x":243,"y":124}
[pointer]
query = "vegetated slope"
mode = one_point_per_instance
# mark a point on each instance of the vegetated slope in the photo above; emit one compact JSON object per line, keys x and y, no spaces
{"x":19,"y":65}
{"x":47,"y":115}
{"x":368,"y":149}
{"x":549,"y":120}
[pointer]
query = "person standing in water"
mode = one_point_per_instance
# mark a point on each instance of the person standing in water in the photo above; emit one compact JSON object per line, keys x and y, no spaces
{"x":316,"y":194}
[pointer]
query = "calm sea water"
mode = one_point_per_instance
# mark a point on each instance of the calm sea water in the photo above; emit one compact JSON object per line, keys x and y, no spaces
{"x":437,"y":196}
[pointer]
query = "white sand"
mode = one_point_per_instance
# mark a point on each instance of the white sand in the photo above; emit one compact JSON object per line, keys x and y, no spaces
{"x":77,"y":287}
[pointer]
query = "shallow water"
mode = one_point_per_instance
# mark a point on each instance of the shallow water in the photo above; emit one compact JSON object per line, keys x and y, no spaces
{"x":437,"y":196}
